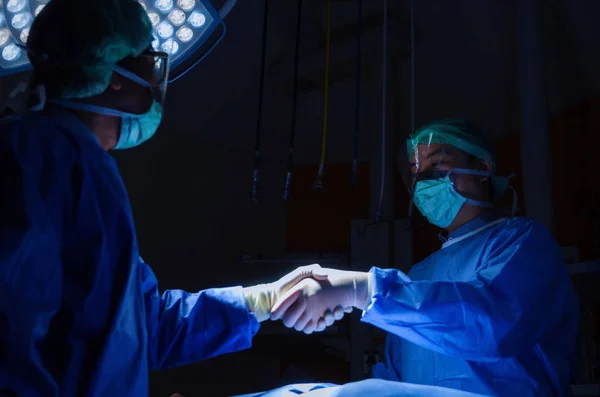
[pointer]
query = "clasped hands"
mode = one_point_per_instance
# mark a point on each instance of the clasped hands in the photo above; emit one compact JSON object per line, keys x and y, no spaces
{"x":310,"y":298}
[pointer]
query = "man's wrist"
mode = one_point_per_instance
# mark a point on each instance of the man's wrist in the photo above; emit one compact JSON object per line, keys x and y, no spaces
{"x":258,"y":301}
{"x":364,"y":288}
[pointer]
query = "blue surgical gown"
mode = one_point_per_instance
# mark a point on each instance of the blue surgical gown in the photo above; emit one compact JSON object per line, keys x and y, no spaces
{"x":80,"y":312}
{"x":493,"y":313}
{"x":364,"y":388}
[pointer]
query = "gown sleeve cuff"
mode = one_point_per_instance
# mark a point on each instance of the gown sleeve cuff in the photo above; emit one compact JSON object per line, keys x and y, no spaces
{"x":382,"y":283}
{"x":240,"y":314}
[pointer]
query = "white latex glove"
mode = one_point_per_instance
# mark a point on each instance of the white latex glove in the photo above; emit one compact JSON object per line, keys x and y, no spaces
{"x":261,"y":298}
{"x":305,"y":304}
{"x":327,"y":319}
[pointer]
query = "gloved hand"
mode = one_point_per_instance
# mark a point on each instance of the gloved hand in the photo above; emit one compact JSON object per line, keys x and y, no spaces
{"x":305,"y":304}
{"x":261,"y":298}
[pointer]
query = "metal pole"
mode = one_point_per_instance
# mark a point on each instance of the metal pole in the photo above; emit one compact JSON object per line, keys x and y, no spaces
{"x":535,"y":139}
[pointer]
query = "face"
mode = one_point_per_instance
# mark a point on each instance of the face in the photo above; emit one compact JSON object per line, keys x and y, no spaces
{"x":439,"y":157}
{"x":129,"y":96}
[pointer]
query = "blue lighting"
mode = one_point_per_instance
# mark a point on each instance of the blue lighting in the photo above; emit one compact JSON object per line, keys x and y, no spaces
{"x":181,"y":28}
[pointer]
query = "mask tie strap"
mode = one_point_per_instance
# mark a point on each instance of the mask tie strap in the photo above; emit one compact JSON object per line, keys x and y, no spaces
{"x":467,"y":171}
{"x":86,"y":107}
{"x":40,"y":94}
{"x":514,"y":207}
{"x":515,"y":201}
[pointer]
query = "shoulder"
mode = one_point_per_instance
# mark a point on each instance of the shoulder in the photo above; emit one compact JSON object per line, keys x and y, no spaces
{"x":32,"y":144}
{"x":36,"y":162}
{"x":524,"y":227}
{"x":34,"y":133}
{"x":522,"y":235}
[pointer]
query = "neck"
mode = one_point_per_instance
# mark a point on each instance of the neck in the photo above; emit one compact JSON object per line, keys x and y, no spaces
{"x":466,"y":214}
{"x":106,"y":128}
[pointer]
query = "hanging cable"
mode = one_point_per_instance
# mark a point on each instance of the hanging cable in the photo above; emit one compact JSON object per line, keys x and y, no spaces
{"x":288,"y":178}
{"x":318,"y":186}
{"x":378,"y":214}
{"x":412,"y":96}
{"x":412,"y":67}
{"x":261,"y":89}
{"x":354,"y":177}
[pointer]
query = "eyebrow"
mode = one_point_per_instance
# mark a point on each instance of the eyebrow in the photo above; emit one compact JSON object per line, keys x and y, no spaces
{"x":438,"y":152}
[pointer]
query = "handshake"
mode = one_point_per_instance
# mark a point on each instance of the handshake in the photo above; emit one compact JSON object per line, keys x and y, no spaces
{"x":310,"y":298}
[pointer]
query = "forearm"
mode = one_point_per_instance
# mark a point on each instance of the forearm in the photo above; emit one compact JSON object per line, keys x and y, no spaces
{"x":259,"y":300}
{"x":364,"y":289}
{"x":459,"y":319}
{"x":193,"y":327}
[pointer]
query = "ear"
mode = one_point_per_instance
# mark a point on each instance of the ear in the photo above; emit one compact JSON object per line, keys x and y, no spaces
{"x":487,"y":167}
{"x":115,"y":82}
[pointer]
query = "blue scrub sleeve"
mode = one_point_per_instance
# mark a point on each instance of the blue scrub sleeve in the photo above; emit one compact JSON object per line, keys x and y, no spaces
{"x":515,"y":295}
{"x":390,"y":367}
{"x":188,"y":327}
{"x":31,"y":287}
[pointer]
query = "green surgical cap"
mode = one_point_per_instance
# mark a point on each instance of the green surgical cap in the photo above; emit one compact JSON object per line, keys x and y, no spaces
{"x":461,"y":134}
{"x":79,"y":42}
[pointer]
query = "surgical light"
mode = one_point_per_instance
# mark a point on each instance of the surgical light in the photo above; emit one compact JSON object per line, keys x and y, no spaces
{"x":170,"y":47}
{"x":11,"y":52}
{"x":185,"y":29}
{"x":197,"y":19}
{"x":15,"y":5}
{"x":154,"y":18}
{"x":163,"y":6}
{"x":186,"y":5}
{"x":177,"y":17}
{"x":24,"y":35}
{"x":185,"y":34}
{"x":165,"y":30}
{"x":21,"y":20}
{"x":4,"y":36}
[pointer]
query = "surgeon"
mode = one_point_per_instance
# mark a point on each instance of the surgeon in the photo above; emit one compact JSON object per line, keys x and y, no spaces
{"x":493,"y":312}
{"x":80,"y":311}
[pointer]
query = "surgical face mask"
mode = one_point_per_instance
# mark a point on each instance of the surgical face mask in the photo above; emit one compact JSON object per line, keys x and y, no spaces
{"x":438,"y":201}
{"x":135,"y":128}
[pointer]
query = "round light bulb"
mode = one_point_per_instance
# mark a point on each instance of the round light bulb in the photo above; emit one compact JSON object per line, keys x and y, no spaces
{"x":155,"y":43}
{"x":197,"y":19}
{"x":186,"y":5}
{"x":4,"y":36}
{"x":11,"y":52}
{"x":164,"y":30}
{"x":39,"y":9}
{"x":185,"y":34}
{"x":163,"y":5}
{"x":21,"y":20}
{"x":24,"y":35}
{"x":154,"y":18}
{"x":177,"y":17}
{"x":170,"y":47}
{"x":15,"y":5}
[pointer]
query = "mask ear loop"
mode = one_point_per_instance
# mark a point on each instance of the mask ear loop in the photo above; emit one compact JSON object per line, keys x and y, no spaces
{"x":411,"y":194}
{"x":40,"y":95}
{"x":514,"y":208}
{"x":40,"y":90}
{"x":467,"y":171}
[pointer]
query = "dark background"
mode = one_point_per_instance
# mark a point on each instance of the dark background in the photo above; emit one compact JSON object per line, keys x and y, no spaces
{"x":189,"y":185}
